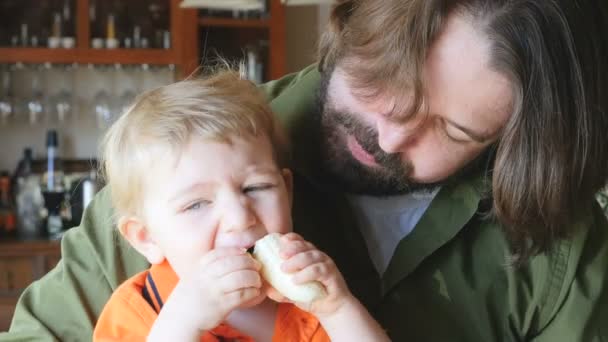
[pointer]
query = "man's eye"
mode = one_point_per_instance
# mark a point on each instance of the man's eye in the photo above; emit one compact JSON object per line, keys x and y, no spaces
{"x":257,"y":187}
{"x":455,"y":134}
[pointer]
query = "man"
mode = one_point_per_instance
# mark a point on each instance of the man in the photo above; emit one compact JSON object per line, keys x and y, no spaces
{"x":448,"y":165}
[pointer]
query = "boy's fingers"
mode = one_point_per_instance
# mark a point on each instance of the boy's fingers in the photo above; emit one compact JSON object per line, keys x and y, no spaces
{"x":314,"y":272}
{"x":302,"y":260}
{"x":236,"y":298}
{"x":219,"y":253}
{"x":276,"y":296}
{"x":293,"y":247}
{"x":240,"y":280}
{"x":291,"y":237}
{"x":229,"y":264}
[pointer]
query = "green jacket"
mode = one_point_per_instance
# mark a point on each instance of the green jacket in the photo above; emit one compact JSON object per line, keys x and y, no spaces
{"x":449,"y":280}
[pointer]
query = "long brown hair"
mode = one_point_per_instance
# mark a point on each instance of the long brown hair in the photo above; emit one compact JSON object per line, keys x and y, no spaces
{"x":552,"y":156}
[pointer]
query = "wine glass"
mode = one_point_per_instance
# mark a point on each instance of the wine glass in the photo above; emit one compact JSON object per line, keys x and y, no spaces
{"x":6,"y":97}
{"x":35,"y":103}
{"x":126,"y":81}
{"x":102,"y":108}
{"x":102,"y":103}
{"x":62,"y":102}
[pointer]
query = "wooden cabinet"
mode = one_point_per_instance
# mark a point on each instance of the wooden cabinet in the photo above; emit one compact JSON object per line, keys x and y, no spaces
{"x":189,"y":41}
{"x":230,"y":36}
{"x":21,"y":263}
{"x":183,"y":54}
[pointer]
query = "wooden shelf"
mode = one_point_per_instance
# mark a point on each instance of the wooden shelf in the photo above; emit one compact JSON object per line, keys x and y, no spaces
{"x":185,"y":41}
{"x":183,"y":53}
{"x":236,"y":23}
{"x":86,"y":55}
{"x":16,"y":247}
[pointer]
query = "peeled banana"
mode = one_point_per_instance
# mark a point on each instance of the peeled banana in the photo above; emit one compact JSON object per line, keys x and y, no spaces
{"x":266,"y":251}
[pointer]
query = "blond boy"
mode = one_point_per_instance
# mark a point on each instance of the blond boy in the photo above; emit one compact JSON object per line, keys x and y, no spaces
{"x":197,"y":176}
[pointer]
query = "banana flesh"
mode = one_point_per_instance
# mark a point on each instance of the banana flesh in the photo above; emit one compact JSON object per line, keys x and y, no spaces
{"x":266,"y":251}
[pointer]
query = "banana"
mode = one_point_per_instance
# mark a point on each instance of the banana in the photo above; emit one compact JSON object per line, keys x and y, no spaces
{"x":266,"y":251}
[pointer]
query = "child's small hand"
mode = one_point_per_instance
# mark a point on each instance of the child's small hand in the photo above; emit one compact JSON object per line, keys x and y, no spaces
{"x":225,"y":279}
{"x":306,"y":263}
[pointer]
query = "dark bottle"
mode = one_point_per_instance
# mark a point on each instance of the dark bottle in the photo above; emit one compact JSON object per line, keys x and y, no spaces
{"x":8,"y":224}
{"x":24,"y":167}
{"x":68,"y":24}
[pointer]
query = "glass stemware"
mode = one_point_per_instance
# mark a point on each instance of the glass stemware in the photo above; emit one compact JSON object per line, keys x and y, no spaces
{"x":102,"y":108}
{"x":6,"y":96}
{"x":62,"y":102}
{"x":35,"y":103}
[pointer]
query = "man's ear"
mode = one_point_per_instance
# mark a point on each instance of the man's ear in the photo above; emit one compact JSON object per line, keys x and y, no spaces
{"x":288,"y":178}
{"x":134,"y":231}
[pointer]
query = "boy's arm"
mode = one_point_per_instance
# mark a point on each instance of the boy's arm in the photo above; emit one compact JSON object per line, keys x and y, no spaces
{"x":65,"y":303}
{"x":353,"y":322}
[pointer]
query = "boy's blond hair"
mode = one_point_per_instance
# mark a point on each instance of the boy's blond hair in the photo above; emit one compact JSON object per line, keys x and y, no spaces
{"x":162,"y":121}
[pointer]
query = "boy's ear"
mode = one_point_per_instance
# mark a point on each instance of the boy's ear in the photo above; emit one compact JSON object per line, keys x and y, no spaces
{"x":134,"y":231}
{"x":288,"y":178}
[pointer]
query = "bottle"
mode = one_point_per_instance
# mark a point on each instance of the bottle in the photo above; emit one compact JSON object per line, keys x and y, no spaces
{"x":67,"y":40}
{"x":24,"y":167}
{"x":29,"y":200}
{"x":111,"y":40}
{"x":54,"y":193}
{"x":8,"y":224}
{"x":54,"y":40}
{"x":24,"y":35}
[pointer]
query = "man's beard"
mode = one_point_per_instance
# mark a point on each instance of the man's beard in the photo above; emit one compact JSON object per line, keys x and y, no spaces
{"x":391,"y":176}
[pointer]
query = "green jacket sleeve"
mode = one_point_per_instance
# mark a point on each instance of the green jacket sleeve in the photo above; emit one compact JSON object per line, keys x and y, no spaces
{"x":65,"y":303}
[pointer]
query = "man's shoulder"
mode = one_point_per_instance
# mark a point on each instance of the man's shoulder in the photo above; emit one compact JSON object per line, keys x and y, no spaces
{"x":553,"y":288}
{"x":293,"y":96}
{"x":275,"y":88}
{"x":575,"y":269}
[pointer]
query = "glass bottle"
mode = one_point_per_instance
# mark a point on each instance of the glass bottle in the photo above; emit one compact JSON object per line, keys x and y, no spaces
{"x":8,"y":223}
{"x":54,"y":172}
{"x":68,"y":39}
{"x":54,"y":193}
{"x":29,"y":200}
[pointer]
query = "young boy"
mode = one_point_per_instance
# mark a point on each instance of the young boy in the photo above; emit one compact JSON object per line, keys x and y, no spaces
{"x":196,"y":175}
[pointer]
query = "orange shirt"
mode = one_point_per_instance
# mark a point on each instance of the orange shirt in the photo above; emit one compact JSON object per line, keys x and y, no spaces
{"x":134,"y":306}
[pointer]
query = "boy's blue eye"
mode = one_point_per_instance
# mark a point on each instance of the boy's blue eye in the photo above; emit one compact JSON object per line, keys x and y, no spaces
{"x":196,"y":206}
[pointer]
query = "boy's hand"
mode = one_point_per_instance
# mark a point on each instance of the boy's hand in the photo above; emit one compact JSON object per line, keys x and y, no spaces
{"x":306,"y":263}
{"x":225,"y":279}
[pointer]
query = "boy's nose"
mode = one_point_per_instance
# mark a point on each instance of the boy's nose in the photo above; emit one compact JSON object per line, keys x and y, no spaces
{"x":238,"y":215}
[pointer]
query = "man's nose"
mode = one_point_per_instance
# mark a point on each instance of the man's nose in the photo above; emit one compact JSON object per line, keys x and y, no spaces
{"x":238,"y":214}
{"x":393,"y":137}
